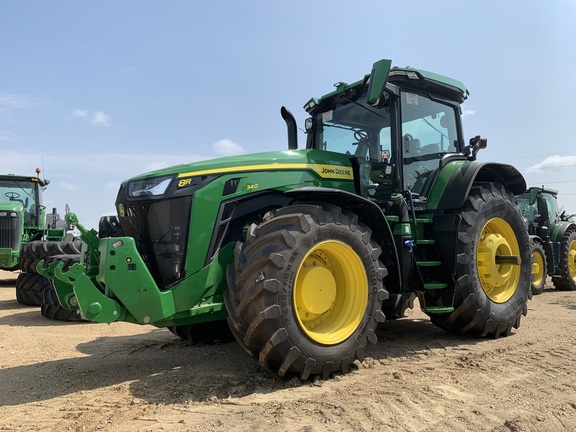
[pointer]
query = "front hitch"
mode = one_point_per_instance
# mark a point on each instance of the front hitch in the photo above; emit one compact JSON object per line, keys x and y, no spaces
{"x":76,"y":291}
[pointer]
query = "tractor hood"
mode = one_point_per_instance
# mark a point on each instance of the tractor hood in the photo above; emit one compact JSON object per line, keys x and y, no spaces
{"x":11,"y":206}
{"x":325,"y":164}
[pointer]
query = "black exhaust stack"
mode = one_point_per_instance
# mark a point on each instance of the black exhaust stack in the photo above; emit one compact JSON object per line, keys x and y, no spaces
{"x":292,"y":129}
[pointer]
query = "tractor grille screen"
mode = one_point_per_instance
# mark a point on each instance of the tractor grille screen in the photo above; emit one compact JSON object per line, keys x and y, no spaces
{"x":160,"y":229}
{"x":9,"y":230}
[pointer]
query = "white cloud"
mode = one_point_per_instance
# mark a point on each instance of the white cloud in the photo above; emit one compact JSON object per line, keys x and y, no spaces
{"x":80,"y":113}
{"x":98,"y":118}
{"x":467,"y":112}
{"x":10,"y":102}
{"x":101,"y":119}
{"x":555,"y":161}
{"x":227,"y":147}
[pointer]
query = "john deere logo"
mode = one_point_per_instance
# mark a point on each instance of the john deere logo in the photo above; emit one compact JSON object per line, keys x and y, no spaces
{"x":337,"y":171}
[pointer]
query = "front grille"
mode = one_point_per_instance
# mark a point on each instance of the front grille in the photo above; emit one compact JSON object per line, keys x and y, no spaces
{"x":160,"y":230}
{"x":10,"y":230}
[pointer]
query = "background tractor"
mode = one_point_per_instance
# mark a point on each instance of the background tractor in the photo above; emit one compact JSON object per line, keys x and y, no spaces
{"x":553,"y":239}
{"x":23,"y":218}
{"x":28,"y":231}
{"x":302,"y":253}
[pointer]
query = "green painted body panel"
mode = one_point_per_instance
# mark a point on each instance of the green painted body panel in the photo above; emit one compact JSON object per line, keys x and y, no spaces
{"x":556,"y":229}
{"x":8,"y":258}
{"x":205,"y":207}
{"x":235,"y":164}
{"x":441,"y":181}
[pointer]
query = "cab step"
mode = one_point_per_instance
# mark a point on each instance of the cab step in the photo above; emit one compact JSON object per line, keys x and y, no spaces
{"x":439,"y":309}
{"x":429,"y":263}
{"x":425,"y":242}
{"x":435,"y":286}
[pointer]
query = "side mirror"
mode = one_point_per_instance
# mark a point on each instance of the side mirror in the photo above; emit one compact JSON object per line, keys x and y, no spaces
{"x":378,"y":78}
{"x":476,"y":144}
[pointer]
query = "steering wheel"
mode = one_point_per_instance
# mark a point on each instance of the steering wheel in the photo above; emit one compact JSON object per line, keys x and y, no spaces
{"x":12,"y":195}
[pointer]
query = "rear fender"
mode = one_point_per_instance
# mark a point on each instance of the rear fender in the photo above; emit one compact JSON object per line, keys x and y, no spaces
{"x":450,"y":191}
{"x":560,"y":229}
{"x":458,"y":186}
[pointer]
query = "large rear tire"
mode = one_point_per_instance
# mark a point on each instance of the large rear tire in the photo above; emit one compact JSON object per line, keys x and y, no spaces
{"x":29,"y":288}
{"x":306,"y":290}
{"x":31,"y":253}
{"x":567,"y":279}
{"x":490,"y":296}
{"x":538,"y":268}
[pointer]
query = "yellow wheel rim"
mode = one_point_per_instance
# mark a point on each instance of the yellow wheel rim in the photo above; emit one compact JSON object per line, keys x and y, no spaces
{"x":330,"y":292}
{"x":537,"y":268}
{"x":572,"y":260}
{"x":499,"y":281}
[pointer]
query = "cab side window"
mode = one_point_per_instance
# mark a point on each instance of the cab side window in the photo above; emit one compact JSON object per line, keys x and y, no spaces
{"x":428,"y":132}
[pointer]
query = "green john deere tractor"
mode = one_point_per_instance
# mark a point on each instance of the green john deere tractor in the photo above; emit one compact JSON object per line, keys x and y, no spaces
{"x":303,"y":253}
{"x":26,"y":226}
{"x":22,"y":216}
{"x":553,"y":239}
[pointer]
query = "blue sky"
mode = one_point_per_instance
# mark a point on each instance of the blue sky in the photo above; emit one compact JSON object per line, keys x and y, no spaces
{"x":96,"y":92}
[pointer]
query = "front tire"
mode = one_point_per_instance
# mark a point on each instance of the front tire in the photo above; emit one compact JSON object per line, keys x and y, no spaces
{"x":306,"y":290}
{"x":490,"y":296}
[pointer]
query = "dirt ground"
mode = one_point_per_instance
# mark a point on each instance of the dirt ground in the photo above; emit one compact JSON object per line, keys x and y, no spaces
{"x":124,"y":377}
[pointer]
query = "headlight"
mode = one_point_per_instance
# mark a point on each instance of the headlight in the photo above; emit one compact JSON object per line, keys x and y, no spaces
{"x":309,"y":124}
{"x":152,"y":186}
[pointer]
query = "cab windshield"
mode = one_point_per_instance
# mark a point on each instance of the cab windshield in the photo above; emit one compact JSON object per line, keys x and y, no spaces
{"x":24,"y":192}
{"x":356,"y":129}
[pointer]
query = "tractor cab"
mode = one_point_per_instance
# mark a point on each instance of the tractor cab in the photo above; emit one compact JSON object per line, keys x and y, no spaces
{"x":540,"y":207}
{"x":398,"y":126}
